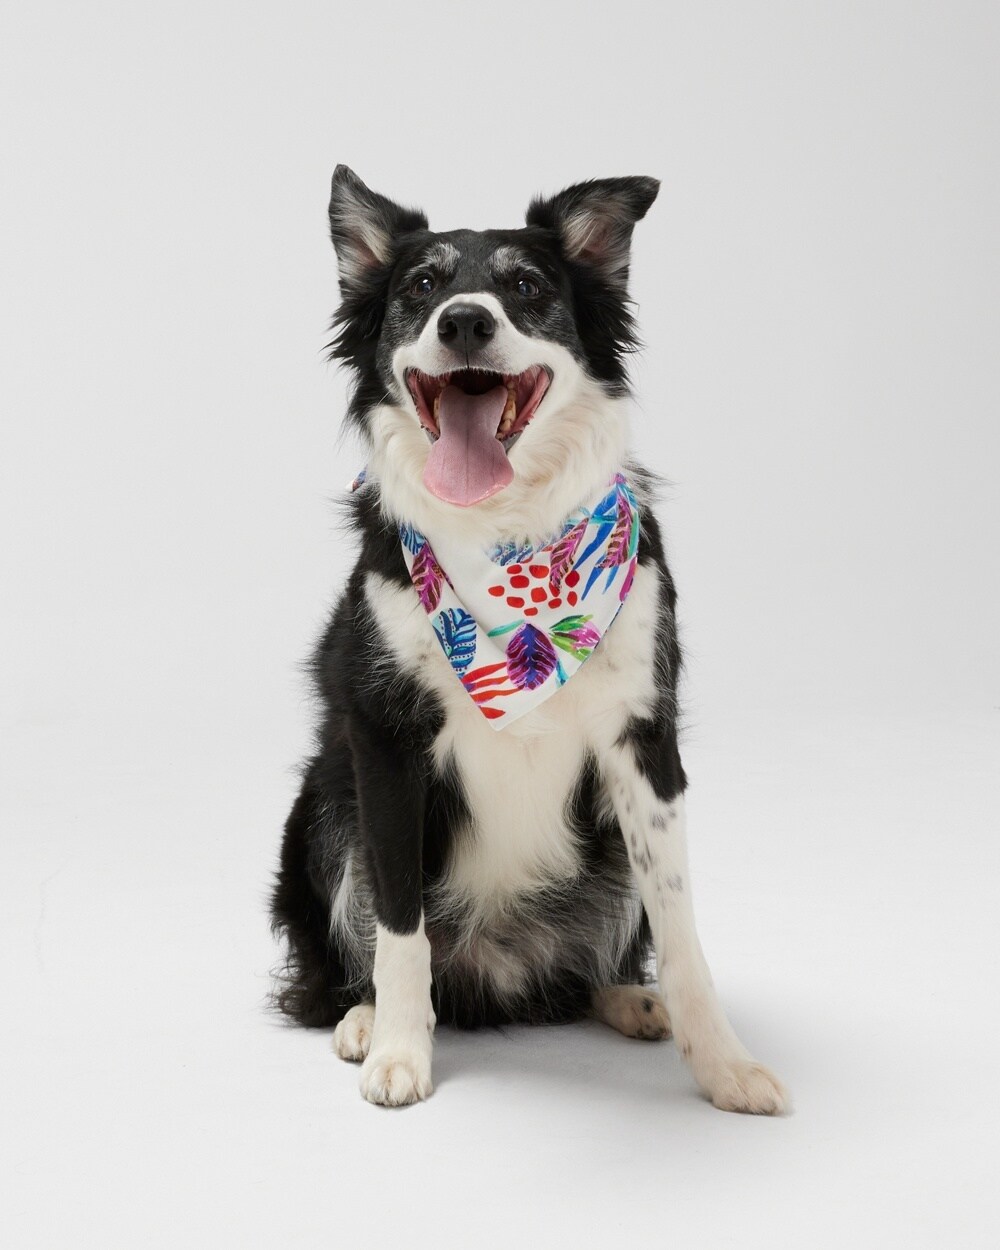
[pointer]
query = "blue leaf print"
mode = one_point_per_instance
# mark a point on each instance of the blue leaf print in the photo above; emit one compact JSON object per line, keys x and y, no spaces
{"x":604,"y":529}
{"x":412,"y":538}
{"x":456,"y":631}
{"x":511,"y":553}
{"x":607,"y":509}
{"x":595,"y":573}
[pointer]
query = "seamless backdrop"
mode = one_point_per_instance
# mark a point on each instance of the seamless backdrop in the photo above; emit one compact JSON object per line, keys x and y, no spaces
{"x":817,"y":289}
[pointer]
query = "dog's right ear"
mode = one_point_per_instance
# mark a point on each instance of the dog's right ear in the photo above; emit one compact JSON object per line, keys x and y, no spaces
{"x":364,"y":227}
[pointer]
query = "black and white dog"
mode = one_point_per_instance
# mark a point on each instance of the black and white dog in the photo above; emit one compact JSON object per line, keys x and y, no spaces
{"x":435,"y":867}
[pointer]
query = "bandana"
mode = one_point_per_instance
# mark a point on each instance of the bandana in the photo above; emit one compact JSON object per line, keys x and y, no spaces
{"x":516,"y":622}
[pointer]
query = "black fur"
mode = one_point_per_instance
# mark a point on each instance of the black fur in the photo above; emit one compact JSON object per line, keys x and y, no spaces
{"x":372,"y":802}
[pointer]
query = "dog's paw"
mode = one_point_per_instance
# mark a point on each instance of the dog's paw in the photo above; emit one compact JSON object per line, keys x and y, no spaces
{"x":396,"y":1079}
{"x":352,"y":1038}
{"x":633,"y":1010}
{"x":747,"y":1086}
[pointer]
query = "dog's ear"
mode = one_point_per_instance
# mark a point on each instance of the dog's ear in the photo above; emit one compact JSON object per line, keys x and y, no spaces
{"x":594,"y":221}
{"x":364,"y":227}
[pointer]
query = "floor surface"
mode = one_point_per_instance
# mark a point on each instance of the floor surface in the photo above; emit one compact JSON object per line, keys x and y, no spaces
{"x":845,"y":877}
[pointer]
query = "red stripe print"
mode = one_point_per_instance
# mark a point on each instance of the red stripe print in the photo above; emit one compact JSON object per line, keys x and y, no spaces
{"x":485,"y":670}
{"x":481,"y":696}
{"x":486,"y":681}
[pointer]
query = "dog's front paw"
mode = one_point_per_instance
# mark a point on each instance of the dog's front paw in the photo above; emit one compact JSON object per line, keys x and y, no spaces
{"x":747,"y":1086}
{"x":397,"y":1078}
{"x":352,"y":1038}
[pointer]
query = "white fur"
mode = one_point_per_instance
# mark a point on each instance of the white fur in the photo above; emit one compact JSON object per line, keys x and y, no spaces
{"x":397,"y":1069}
{"x":352,"y":923}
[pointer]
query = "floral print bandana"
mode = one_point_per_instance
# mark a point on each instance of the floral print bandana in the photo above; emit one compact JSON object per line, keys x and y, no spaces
{"x":515,"y":623}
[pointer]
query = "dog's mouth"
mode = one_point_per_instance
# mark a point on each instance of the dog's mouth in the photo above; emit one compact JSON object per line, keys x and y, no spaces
{"x":473,"y":417}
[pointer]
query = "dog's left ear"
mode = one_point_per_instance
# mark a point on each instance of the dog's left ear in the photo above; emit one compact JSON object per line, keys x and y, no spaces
{"x":594,"y":221}
{"x":364,"y":227}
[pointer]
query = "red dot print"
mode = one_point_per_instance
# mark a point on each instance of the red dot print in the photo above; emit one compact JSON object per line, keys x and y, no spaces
{"x":530,"y":611}
{"x":514,"y":602}
{"x":519,"y":583}
{"x":572,"y":578}
{"x":570,"y":599}
{"x":513,"y":568}
{"x":555,"y":603}
{"x":497,"y":591}
{"x":538,"y":570}
{"x":538,"y":593}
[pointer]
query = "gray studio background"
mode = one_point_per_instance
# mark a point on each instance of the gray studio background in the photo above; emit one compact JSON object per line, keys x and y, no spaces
{"x":817,"y":288}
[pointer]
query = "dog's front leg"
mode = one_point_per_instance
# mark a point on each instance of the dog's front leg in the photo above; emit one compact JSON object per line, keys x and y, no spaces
{"x":647,"y":788}
{"x":397,"y":1069}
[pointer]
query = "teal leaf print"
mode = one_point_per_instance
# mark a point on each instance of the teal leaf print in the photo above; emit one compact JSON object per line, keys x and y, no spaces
{"x":456,"y":631}
{"x":575,"y":631}
{"x":575,"y":636}
{"x":569,"y":623}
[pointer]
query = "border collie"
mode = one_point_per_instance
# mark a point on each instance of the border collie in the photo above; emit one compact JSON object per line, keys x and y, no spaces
{"x":491,"y":828}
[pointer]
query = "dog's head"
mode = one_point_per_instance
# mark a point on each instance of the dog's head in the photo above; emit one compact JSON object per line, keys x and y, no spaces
{"x":485,"y":361}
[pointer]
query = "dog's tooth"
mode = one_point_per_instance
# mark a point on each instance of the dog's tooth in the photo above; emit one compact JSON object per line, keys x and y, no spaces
{"x":437,"y":409}
{"x":509,"y":415}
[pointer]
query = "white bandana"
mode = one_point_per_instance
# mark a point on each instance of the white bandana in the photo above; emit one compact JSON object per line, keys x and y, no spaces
{"x":516,"y":623}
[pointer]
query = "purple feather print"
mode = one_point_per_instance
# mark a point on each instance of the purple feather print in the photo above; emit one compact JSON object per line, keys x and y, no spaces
{"x":621,"y":535}
{"x":562,"y":555}
{"x":530,"y":658}
{"x":427,"y":576}
{"x":627,"y":584}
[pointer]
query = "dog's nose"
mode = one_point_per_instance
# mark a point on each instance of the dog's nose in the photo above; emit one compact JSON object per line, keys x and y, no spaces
{"x":466,"y":327}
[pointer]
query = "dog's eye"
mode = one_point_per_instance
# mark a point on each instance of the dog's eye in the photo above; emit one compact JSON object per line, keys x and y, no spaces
{"x":423,"y":284}
{"x":526,"y":287}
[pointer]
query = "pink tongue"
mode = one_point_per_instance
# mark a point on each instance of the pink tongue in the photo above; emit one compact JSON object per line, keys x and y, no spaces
{"x":467,"y":463}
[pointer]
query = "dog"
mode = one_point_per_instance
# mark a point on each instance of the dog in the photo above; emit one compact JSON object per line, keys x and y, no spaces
{"x":491,"y":828}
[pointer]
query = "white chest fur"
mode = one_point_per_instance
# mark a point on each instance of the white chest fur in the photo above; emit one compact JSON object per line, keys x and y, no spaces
{"x":517,"y":780}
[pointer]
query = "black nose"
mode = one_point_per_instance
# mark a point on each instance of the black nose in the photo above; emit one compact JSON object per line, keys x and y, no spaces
{"x":466,"y":327}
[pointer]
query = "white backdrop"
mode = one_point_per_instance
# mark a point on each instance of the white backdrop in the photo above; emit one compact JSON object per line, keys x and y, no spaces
{"x":817,"y":287}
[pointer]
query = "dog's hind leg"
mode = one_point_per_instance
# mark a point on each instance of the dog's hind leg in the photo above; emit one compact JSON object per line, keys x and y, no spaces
{"x":635,"y":1010}
{"x":312,"y":986}
{"x":646,"y":784}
